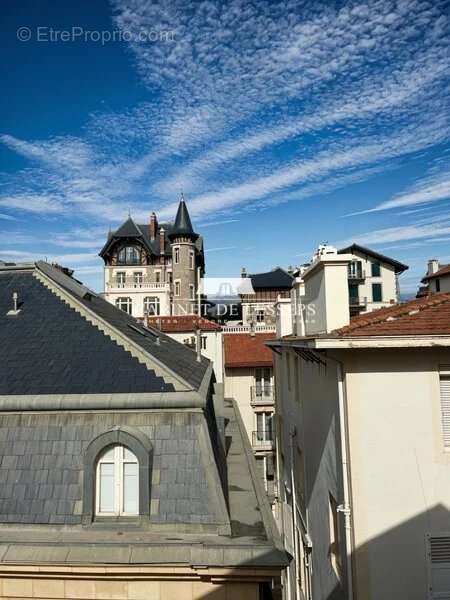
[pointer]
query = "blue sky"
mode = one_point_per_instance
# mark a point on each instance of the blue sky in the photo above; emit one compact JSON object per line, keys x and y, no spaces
{"x":286,"y":124}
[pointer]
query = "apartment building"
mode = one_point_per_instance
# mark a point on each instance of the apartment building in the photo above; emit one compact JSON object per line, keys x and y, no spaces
{"x":362,"y":412}
{"x":154,"y":268}
{"x":372,"y":279}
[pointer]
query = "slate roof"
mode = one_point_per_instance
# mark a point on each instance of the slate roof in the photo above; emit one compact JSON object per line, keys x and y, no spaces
{"x":244,"y":350}
{"x":278,"y":278}
{"x":49,"y":347}
{"x":429,"y":315}
{"x":182,"y":224}
{"x":183,"y":323}
{"x":354,"y":248}
{"x":254,"y":539}
{"x":42,"y":465}
{"x":141,"y":232}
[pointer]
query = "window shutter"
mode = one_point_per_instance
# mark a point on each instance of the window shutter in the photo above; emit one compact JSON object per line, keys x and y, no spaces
{"x":439,"y":567}
{"x":445,"y":409}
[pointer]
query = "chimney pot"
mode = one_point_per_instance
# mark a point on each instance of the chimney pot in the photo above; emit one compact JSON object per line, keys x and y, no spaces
{"x":162,"y":241}
{"x":243,"y":272}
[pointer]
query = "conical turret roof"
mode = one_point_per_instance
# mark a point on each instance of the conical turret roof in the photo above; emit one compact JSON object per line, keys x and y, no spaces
{"x":183,"y":225}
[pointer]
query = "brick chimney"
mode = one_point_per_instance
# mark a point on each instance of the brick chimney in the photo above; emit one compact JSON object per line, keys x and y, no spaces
{"x":153,"y":226}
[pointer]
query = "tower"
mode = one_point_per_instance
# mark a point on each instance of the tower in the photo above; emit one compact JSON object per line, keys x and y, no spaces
{"x":184,"y":263}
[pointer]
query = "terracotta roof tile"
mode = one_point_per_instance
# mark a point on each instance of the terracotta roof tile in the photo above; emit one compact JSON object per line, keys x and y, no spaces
{"x":183,"y":323}
{"x":245,"y":350}
{"x":429,"y":315}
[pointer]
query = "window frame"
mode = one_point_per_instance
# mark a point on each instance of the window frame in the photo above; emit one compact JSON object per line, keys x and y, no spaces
{"x":129,"y":301}
{"x":380,"y":287}
{"x":191,"y":260}
{"x":119,"y":461}
{"x":177,"y":288}
{"x":127,"y":258}
{"x":176,"y":255}
{"x":156,"y":301}
{"x":375,"y":269}
{"x":140,"y":445}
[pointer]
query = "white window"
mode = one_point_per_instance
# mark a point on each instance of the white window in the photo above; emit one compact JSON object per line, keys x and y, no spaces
{"x":177,"y":288}
{"x":129,"y":256}
{"x":191,"y":292}
{"x":117,"y":482}
{"x":137,"y":277}
{"x":264,"y":429}
{"x":120,"y":278}
{"x":125,"y":304}
{"x":176,"y":255}
{"x":152,"y":306}
{"x":191,"y":259}
{"x":263,"y":379}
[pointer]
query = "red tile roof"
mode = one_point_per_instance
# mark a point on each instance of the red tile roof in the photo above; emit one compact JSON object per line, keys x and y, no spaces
{"x":425,"y":316}
{"x":245,"y":350}
{"x":444,"y":270}
{"x":183,"y":323}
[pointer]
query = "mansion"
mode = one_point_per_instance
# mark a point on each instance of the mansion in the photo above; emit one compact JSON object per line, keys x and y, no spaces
{"x":154,"y":268}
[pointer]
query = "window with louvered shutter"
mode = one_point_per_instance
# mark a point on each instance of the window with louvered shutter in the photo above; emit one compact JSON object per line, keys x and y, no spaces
{"x":439,"y":566}
{"x":445,"y":409}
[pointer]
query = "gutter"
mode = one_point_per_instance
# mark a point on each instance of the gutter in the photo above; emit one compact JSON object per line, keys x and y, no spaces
{"x":336,"y":343}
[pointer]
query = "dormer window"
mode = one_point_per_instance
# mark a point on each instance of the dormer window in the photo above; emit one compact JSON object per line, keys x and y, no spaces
{"x":129,"y":255}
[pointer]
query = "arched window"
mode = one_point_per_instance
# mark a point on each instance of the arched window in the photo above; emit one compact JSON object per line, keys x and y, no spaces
{"x":152,"y":306}
{"x":125,"y":303}
{"x":117,"y":482}
{"x":129,"y":255}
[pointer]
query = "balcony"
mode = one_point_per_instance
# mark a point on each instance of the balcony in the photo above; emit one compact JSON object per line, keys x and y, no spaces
{"x":129,"y":284}
{"x":263,"y":439}
{"x":355,"y":273}
{"x":262,"y":394}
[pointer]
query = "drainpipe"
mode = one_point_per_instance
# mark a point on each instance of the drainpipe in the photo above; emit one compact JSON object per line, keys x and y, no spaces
{"x":345,"y":508}
{"x":292,"y":435}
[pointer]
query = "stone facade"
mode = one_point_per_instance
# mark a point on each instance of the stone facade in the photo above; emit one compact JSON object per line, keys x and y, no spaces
{"x":154,"y":269}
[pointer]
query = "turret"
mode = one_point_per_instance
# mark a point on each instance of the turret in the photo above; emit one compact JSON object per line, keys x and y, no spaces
{"x":184,"y":262}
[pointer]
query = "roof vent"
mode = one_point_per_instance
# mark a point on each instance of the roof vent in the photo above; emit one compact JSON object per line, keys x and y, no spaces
{"x":15,"y":309}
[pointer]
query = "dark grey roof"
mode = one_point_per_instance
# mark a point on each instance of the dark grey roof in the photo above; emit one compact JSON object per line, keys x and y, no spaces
{"x":42,"y":464}
{"x":141,"y":232}
{"x":276,"y":279}
{"x":398,"y":266}
{"x":50,"y":348}
{"x":183,"y":225}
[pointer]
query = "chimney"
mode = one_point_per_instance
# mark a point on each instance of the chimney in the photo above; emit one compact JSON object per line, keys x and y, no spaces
{"x":243,"y":272}
{"x":153,"y":226}
{"x":326,"y":298}
{"x":433,"y":266}
{"x":162,"y":241}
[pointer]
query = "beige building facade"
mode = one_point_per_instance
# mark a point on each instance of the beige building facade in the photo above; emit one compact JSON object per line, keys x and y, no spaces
{"x":362,"y":412}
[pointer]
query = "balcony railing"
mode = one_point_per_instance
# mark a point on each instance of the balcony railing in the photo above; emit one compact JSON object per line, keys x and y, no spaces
{"x":263,"y":439}
{"x":262,"y":394}
{"x":249,"y":329}
{"x":356,"y":275}
{"x":132,"y":284}
{"x":357,"y":301}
